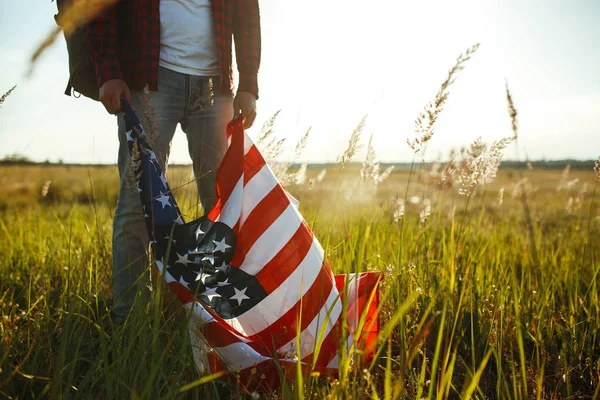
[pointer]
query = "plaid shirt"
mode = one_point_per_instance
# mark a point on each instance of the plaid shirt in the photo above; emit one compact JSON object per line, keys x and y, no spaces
{"x":125,"y":43}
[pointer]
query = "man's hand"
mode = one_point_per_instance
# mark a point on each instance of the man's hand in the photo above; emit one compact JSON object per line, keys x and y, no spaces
{"x":111,"y":92}
{"x":245,"y":104}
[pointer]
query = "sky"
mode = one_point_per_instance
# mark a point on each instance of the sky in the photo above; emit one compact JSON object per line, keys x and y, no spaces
{"x":327,"y":63}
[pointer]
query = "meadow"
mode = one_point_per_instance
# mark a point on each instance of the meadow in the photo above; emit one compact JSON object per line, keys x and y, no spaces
{"x":472,"y":306}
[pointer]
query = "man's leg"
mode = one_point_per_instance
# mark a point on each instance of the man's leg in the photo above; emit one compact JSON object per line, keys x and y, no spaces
{"x":159,"y":112}
{"x":205,"y":125}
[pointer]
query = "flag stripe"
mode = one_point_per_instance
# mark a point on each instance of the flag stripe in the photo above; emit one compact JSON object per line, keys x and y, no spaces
{"x":258,"y":223}
{"x":233,"y":168}
{"x":281,"y":300}
{"x":230,"y":212}
{"x":253,"y":163}
{"x":283,"y":330}
{"x":281,"y":266}
{"x":255,"y":190}
{"x":270,"y":242}
{"x":310,"y":333}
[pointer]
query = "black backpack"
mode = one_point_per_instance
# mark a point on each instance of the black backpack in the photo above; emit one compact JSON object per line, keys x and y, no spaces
{"x":82,"y":73}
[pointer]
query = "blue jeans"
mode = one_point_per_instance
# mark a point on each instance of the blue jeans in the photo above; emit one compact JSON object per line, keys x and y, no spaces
{"x":180,"y":99}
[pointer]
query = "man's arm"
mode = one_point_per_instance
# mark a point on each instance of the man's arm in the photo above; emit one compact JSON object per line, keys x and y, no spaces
{"x":102,"y":41}
{"x":246,"y":34}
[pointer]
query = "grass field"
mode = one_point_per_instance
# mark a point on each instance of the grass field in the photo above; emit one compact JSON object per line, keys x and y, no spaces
{"x":477,"y":301}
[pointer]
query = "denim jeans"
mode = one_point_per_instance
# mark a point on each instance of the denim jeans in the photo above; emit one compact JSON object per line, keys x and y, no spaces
{"x":180,"y":99}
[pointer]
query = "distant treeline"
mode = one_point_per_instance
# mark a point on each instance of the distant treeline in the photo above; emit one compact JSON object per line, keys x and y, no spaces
{"x":15,"y":159}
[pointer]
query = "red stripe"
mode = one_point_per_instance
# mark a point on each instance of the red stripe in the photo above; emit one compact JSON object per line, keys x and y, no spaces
{"x":284,"y":329}
{"x":276,"y":271}
{"x":253,"y":163}
{"x":183,"y":294}
{"x":231,"y":168}
{"x":260,"y":219}
{"x":329,"y":346}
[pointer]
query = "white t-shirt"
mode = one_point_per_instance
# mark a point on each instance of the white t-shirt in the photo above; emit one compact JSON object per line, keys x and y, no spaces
{"x":187,"y":37}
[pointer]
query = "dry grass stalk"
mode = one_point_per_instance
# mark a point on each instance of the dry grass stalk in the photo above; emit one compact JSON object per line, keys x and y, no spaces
{"x":321,"y":175}
{"x":300,"y":176}
{"x":46,"y":188}
{"x":352,"y":144}
{"x":5,"y":95}
{"x":370,"y":167}
{"x":512,"y":111}
{"x":399,"y":211}
{"x":425,"y":122}
{"x":597,"y":168}
{"x":524,"y":201}
{"x":480,"y":165}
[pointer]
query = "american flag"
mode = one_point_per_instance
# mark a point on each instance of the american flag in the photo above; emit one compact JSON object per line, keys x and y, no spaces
{"x":261,"y":296}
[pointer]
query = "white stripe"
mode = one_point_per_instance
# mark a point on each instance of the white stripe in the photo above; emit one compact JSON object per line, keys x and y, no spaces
{"x":247,"y":143}
{"x":238,"y":356}
{"x":284,"y":297}
{"x":309,"y":336}
{"x":272,"y":240}
{"x":334,"y":362}
{"x":259,"y":186}
{"x":352,"y":296}
{"x":230,"y":213}
{"x":199,"y":315}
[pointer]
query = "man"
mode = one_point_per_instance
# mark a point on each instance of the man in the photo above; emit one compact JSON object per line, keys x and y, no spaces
{"x":181,"y":50}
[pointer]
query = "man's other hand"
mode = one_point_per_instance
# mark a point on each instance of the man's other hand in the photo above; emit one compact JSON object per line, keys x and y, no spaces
{"x":111,"y":92}
{"x":245,"y":104}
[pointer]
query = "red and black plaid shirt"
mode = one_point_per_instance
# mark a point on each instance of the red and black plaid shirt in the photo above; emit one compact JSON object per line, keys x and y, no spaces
{"x":125,"y":43}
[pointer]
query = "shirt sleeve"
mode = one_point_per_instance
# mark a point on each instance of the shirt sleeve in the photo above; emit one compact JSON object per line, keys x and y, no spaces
{"x":102,"y":41}
{"x":246,"y":34}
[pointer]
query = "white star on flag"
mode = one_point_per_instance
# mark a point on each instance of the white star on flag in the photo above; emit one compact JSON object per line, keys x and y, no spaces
{"x":211,"y":293}
{"x":201,"y":277}
{"x":240,"y":295}
{"x":223,"y":267}
{"x":221,"y":246}
{"x":224,"y":283}
{"x":210,"y":258}
{"x":163,"y":179}
{"x":199,"y":232}
{"x":167,"y":237}
{"x":164,"y":200}
{"x":129,"y":138}
{"x":152,"y":155}
{"x":182,"y":259}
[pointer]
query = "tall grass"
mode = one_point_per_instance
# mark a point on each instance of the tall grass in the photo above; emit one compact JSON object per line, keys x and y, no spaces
{"x":464,"y":308}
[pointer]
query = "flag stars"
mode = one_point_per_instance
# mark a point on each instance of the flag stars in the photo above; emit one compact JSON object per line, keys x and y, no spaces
{"x":211,"y":293}
{"x":210,"y":258}
{"x":221,"y":246}
{"x":168,"y":238}
{"x":224,"y":283}
{"x":163,"y":179}
{"x":199,"y":232}
{"x":182,"y":259}
{"x":202,"y":277}
{"x":152,"y":155}
{"x":129,"y":137}
{"x":223,"y":267}
{"x":164,"y":200}
{"x":240,"y":295}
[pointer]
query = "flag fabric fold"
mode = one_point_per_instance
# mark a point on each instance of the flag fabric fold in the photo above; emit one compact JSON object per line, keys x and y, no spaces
{"x":260,"y":294}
